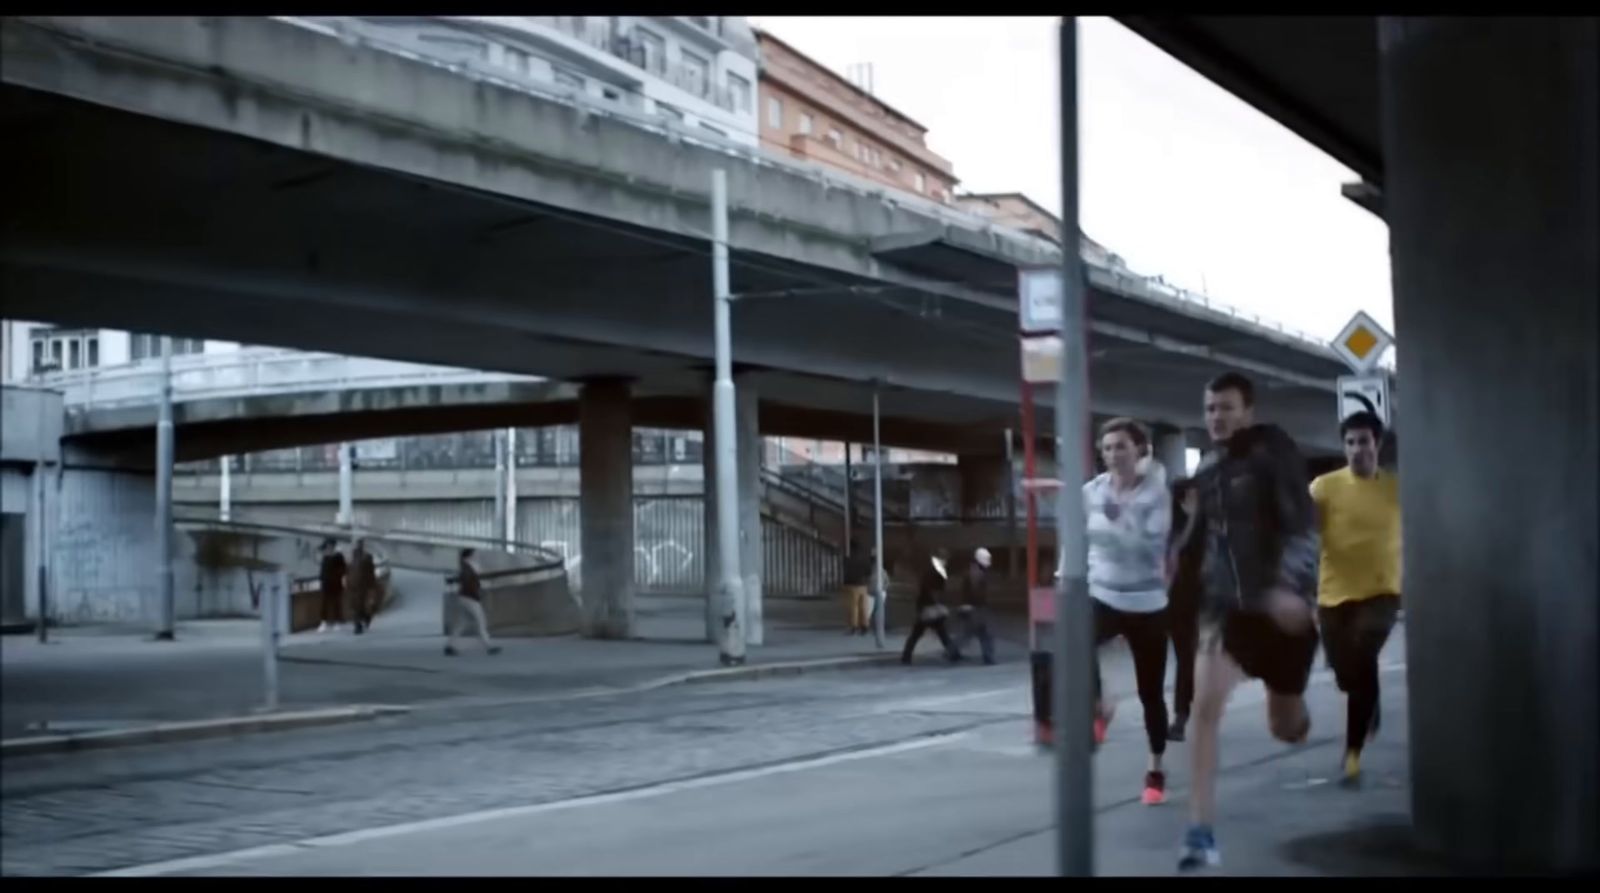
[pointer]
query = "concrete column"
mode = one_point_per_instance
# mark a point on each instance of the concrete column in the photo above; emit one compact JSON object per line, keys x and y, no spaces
{"x":1489,"y":138}
{"x":751,"y":560}
{"x":1170,"y":447}
{"x":605,"y":496}
{"x":346,"y":485}
{"x":510,"y":517}
{"x":225,"y":489}
{"x":751,"y":556}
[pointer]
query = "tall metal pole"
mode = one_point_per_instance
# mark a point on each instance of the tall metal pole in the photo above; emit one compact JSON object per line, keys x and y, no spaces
{"x":1011,"y":509}
{"x":510,"y":518}
{"x":730,"y":585}
{"x":41,"y":552}
{"x":164,"y":459}
{"x":347,"y":513}
{"x":1074,"y":649}
{"x":497,"y":530}
{"x":849,"y":503}
{"x":225,"y":490}
{"x":880,"y":597}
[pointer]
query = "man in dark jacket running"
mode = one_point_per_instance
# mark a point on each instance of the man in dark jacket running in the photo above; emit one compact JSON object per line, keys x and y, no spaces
{"x":331,"y":574}
{"x":973,"y":613}
{"x":931,"y":612}
{"x":1258,"y":580}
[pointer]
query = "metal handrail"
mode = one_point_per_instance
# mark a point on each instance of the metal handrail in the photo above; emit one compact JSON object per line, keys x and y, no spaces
{"x":81,"y":387}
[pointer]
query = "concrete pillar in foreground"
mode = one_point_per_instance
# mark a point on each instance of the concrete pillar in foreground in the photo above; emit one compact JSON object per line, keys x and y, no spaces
{"x":1490,"y":147}
{"x":748,"y":447}
{"x":1170,"y":447}
{"x":605,"y":495}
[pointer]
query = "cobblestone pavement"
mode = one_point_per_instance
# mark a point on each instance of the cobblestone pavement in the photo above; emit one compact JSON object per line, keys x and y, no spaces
{"x":88,"y":812}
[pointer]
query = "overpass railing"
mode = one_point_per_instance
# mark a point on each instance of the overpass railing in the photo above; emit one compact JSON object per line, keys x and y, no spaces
{"x":247,"y":372}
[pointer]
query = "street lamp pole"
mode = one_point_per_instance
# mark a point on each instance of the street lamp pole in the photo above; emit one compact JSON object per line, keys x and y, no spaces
{"x":730,"y":611}
{"x":164,"y":460}
{"x":1074,"y":646}
{"x":880,"y":595}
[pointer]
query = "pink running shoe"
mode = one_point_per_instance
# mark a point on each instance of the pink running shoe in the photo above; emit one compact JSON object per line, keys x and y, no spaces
{"x":1155,"y":789}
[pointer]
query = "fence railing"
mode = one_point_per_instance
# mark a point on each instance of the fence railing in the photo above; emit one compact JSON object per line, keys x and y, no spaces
{"x":246,"y":372}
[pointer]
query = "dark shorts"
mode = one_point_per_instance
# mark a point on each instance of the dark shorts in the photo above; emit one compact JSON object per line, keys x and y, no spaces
{"x":1282,"y":661}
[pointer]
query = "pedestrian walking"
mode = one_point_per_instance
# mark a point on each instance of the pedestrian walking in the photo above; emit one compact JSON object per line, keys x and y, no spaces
{"x":858,"y":602}
{"x":1128,"y":518}
{"x":973,"y":613}
{"x":1258,"y":582}
{"x":468,"y":600}
{"x":363,"y":583}
{"x":331,"y":574}
{"x":1358,"y":586}
{"x":931,"y":611}
{"x":1183,"y":600}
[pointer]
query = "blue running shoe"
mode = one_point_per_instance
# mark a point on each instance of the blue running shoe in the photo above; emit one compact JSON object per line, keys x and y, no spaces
{"x":1199,"y":850}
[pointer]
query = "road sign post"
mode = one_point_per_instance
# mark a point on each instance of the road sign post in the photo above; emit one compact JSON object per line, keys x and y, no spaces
{"x":1364,"y":393}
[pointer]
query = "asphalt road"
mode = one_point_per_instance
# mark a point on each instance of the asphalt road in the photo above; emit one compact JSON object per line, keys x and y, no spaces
{"x":872,"y":772}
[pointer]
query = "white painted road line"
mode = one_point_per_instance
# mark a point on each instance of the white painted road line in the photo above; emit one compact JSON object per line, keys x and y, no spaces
{"x":201,"y":863}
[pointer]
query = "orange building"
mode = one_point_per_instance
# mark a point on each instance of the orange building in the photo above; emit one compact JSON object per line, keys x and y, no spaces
{"x":813,"y":113}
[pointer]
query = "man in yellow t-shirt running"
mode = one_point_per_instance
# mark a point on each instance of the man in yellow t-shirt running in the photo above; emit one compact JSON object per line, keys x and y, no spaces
{"x":1358,"y":591}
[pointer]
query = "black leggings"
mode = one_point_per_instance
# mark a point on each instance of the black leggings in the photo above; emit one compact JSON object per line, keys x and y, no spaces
{"x":1147,"y":639}
{"x":1353,"y":634}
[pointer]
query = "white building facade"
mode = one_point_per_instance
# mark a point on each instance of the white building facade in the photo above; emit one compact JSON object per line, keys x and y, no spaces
{"x":29,"y":349}
{"x":697,"y":72}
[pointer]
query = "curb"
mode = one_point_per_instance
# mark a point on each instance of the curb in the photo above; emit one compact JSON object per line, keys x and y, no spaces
{"x":789,"y":668}
{"x":194,"y":730}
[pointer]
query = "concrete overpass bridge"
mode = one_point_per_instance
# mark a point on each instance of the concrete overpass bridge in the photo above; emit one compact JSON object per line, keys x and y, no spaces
{"x":356,"y":198}
{"x":264,"y":181}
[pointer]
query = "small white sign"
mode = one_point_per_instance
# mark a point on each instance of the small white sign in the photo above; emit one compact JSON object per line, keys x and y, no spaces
{"x":1041,"y":359}
{"x":1039,"y":293}
{"x":1361,"y":343}
{"x":1364,"y":393}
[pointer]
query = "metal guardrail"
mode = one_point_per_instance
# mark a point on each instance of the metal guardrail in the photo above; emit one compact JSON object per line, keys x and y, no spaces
{"x":247,"y":372}
{"x":545,"y":559}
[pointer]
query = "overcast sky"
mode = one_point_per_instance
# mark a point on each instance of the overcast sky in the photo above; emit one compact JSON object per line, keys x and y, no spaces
{"x":1178,"y":176}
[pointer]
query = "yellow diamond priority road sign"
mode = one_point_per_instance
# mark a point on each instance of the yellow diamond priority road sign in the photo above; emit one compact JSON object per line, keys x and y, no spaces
{"x":1362,"y":343}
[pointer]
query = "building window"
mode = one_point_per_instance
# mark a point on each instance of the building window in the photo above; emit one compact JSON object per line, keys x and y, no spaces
{"x":805,"y":123}
{"x":142,"y":347}
{"x":93,"y":347}
{"x":38,"y":355}
{"x":894,"y":165}
{"x":569,"y":80}
{"x":774,"y":112}
{"x":670,"y":113}
{"x":655,"y":50}
{"x":611,"y":94}
{"x":837,"y":138}
{"x":696,"y":73}
{"x":921,"y":182}
{"x":740,"y":88}
{"x":516,"y":60}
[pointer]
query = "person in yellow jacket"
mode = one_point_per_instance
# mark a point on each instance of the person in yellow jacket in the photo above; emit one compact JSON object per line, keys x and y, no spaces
{"x":1358,"y":591}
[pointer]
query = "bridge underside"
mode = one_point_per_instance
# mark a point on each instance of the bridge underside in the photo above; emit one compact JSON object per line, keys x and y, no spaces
{"x":139,"y":223}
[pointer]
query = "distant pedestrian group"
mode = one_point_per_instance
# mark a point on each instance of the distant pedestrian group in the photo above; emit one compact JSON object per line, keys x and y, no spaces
{"x":350,"y":587}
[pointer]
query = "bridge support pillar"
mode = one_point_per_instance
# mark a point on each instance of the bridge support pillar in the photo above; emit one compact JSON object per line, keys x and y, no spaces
{"x":605,"y":496}
{"x":1489,"y":144}
{"x":751,"y":557}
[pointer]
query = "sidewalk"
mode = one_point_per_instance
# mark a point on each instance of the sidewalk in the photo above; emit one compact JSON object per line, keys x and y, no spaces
{"x":92,"y":680}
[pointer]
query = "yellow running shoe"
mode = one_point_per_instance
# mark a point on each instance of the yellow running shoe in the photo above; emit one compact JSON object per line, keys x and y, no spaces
{"x":1352,"y":767}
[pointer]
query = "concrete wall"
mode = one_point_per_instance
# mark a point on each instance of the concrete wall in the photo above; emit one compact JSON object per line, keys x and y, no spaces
{"x":103,"y":564}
